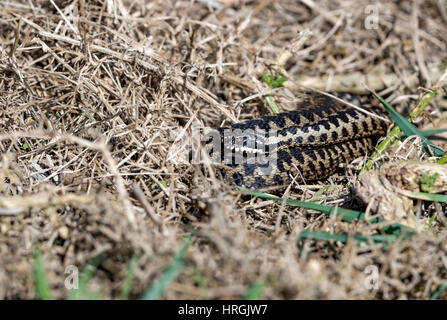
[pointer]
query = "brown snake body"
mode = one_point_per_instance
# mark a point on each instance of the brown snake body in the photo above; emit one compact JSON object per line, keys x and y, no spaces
{"x":307,"y":144}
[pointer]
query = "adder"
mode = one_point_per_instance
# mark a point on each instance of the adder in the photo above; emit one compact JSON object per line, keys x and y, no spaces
{"x":309,"y":143}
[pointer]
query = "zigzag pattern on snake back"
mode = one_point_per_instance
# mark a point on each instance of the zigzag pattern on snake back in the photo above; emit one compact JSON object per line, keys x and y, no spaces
{"x":309,"y":143}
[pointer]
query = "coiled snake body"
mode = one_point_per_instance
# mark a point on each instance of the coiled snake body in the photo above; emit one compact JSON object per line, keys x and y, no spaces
{"x":308,"y":144}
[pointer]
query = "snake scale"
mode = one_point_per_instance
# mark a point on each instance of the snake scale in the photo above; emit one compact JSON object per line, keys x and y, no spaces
{"x":307,"y":144}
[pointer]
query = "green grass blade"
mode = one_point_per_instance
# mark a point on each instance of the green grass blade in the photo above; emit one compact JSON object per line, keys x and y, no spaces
{"x":443,"y":159}
{"x":438,"y":292}
{"x":429,"y":196}
{"x":272,"y":104}
{"x":273,"y":81}
{"x":409,"y":129}
{"x":82,"y":292}
{"x":171,"y":273}
{"x":42,"y":286}
{"x":431,"y":220}
{"x":322,"y":236}
{"x":346,"y":215}
{"x":130,"y":274}
{"x":255,"y":291}
{"x":326,"y":236}
{"x":396,"y":131}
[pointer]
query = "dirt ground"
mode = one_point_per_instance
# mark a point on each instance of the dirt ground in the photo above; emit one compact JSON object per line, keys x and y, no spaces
{"x":93,"y":95}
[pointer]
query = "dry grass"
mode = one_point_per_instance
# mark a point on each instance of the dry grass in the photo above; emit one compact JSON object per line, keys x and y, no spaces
{"x":89,"y":94}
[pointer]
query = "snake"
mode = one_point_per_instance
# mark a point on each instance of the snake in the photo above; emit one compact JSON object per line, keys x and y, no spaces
{"x":306,"y":144}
